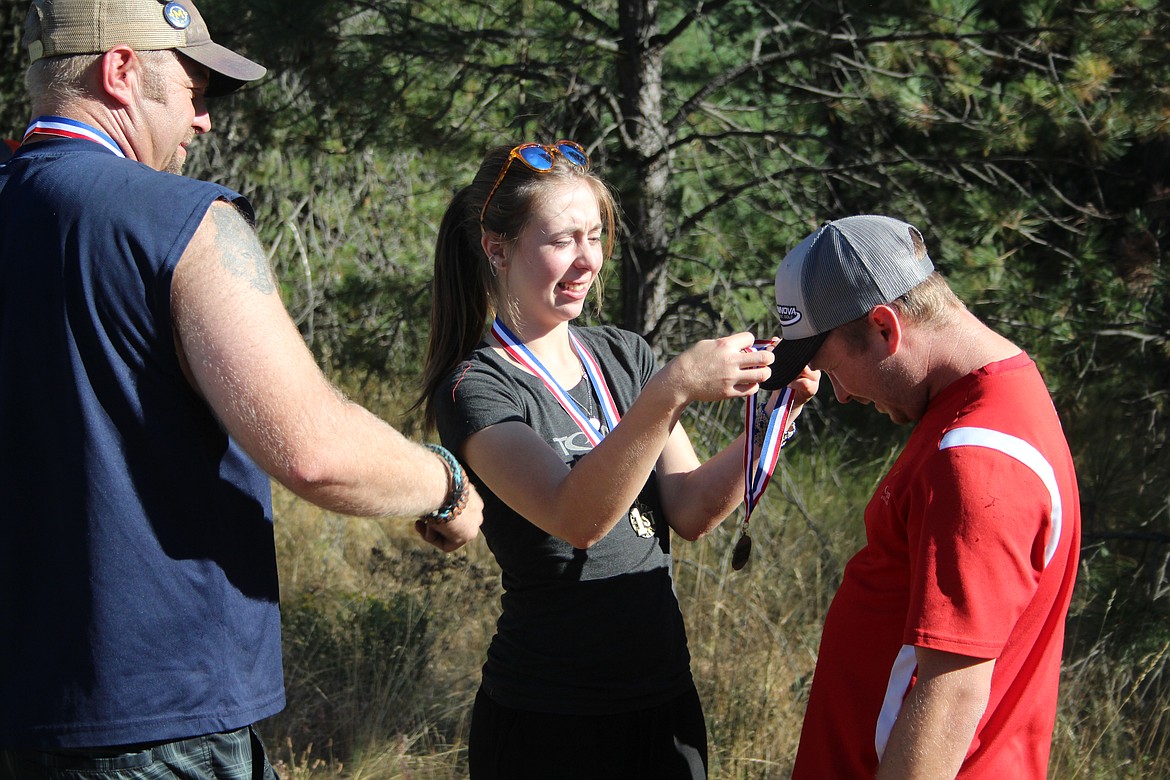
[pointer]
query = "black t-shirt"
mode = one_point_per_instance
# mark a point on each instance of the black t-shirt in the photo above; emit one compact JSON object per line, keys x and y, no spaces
{"x":582,"y":631}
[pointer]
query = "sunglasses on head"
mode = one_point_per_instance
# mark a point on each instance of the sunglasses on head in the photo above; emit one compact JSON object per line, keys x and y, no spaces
{"x":538,"y":158}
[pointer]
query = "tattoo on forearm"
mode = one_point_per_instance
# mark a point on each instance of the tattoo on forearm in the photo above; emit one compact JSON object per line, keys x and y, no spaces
{"x":240,"y":250}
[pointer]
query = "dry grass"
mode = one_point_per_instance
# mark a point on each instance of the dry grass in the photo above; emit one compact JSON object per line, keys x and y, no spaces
{"x":753,"y":638}
{"x":413,"y":709}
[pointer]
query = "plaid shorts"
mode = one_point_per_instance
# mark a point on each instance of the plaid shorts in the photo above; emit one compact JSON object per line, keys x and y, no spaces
{"x":233,"y":755}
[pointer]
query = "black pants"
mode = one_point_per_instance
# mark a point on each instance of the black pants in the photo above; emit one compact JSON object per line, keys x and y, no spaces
{"x":668,"y":742}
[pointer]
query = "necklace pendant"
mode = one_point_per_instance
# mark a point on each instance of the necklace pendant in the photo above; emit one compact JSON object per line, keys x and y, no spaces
{"x":596,"y":423}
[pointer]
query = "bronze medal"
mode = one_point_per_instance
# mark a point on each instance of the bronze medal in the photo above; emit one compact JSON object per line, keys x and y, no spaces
{"x":741,"y":553}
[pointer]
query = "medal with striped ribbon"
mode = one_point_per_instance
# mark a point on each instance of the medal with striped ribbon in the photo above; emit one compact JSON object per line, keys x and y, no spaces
{"x":522,"y":355}
{"x":63,"y":127}
{"x":767,"y":433}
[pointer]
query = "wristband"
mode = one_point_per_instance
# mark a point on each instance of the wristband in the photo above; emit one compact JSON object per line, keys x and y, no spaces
{"x":457,"y":497}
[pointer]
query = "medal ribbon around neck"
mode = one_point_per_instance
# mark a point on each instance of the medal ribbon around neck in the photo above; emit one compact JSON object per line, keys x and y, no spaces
{"x":522,"y":355}
{"x":64,"y":127}
{"x":756,"y":480}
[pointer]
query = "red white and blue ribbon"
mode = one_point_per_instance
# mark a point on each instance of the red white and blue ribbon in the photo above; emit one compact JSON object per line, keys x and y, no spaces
{"x":522,"y":355}
{"x":64,"y":127}
{"x":756,"y":480}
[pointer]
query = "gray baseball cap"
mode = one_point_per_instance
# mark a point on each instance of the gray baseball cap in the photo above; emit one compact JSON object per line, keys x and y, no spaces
{"x":836,"y":275}
{"x":56,"y":27}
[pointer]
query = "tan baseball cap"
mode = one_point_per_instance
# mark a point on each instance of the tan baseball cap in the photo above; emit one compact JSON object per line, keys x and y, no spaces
{"x":56,"y":27}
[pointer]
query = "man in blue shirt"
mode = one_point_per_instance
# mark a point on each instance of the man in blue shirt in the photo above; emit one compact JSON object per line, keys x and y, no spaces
{"x":150,"y":383}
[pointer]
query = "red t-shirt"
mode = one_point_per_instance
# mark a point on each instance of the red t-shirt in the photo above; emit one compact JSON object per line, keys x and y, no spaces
{"x":972,"y":542}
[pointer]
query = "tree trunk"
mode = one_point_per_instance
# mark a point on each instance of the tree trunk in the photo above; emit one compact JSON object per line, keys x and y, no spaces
{"x":645,"y":155}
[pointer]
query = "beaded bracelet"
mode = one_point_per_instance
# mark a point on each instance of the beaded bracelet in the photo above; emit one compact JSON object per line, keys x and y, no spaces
{"x":788,"y":434}
{"x":457,"y":498}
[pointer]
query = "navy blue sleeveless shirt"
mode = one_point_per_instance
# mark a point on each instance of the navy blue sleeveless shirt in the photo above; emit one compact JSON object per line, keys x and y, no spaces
{"x":138,"y":590}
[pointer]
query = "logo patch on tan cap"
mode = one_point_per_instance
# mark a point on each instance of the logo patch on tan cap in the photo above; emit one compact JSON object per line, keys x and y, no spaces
{"x":177,"y":16}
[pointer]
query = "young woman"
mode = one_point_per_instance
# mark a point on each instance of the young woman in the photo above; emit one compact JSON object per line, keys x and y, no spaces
{"x":588,"y":674}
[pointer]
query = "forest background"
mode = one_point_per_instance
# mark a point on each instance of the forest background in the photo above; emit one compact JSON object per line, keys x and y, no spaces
{"x":1028,"y":140}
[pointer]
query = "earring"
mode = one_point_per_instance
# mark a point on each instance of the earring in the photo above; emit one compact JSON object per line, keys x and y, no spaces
{"x":492,"y":267}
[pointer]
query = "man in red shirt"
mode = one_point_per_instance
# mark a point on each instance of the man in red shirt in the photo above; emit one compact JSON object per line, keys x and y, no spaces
{"x":940,"y":655}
